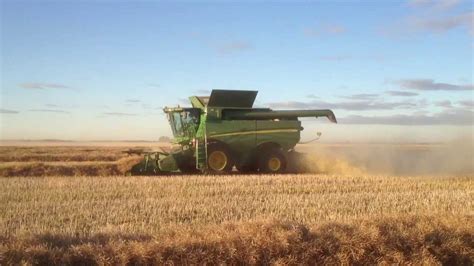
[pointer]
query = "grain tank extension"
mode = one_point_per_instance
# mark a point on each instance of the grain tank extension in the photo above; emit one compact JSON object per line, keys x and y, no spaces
{"x":223,"y":131}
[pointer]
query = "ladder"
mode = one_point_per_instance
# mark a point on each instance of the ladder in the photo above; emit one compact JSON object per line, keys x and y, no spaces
{"x":201,"y":152}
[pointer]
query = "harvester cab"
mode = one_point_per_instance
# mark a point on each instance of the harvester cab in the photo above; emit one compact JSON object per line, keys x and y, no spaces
{"x":224,"y":131}
{"x":184,"y":123}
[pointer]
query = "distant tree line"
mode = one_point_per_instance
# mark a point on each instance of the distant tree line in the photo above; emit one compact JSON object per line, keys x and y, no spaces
{"x":164,"y":139}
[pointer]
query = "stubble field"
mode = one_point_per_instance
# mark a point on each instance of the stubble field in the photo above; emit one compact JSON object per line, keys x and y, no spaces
{"x":57,"y":208}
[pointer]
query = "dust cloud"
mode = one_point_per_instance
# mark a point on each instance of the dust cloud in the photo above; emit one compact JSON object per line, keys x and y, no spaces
{"x":454,"y":158}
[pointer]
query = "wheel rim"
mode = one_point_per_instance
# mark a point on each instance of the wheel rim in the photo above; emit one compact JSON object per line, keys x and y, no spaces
{"x":217,"y":160}
{"x":274,"y":164}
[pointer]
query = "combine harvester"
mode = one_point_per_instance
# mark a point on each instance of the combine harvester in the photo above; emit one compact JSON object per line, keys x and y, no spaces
{"x":223,"y":131}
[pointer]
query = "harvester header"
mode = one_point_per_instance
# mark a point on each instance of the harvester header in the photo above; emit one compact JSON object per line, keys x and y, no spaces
{"x":223,"y":130}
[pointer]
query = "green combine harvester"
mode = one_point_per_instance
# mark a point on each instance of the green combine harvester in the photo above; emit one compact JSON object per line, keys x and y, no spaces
{"x":223,"y":131}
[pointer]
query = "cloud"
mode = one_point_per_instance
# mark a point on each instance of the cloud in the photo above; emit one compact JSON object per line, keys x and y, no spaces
{"x":51,"y":105}
{"x":442,"y":24}
{"x":431,"y":85}
{"x":146,"y":106}
{"x":434,"y":22}
{"x":467,"y":103}
{"x":335,"y":58}
{"x":7,"y":111}
{"x":351,"y":105}
{"x":445,"y":104}
{"x":183,"y":100}
{"x":312,"y":96}
{"x":291,"y":104}
{"x":329,"y":29}
{"x":49,"y":111}
{"x":42,"y":86}
{"x":402,"y":93}
{"x":361,"y":96}
{"x":203,"y":92}
{"x":364,"y":58}
{"x":447,"y":117}
{"x":133,"y":101}
{"x":154,"y":85}
{"x":233,"y":47}
{"x":434,"y":4}
{"x":420,"y":3}
{"x":119,"y":114}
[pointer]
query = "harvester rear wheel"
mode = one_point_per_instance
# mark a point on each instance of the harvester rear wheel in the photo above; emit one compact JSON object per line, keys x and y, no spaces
{"x":272,"y":161}
{"x":219,"y":159}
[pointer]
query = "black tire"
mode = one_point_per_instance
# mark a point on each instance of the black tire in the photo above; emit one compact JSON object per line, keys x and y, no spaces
{"x":247,"y":168}
{"x":215,"y":162}
{"x":272,"y":162}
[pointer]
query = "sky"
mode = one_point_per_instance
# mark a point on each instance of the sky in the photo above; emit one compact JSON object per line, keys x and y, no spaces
{"x":103,"y":70}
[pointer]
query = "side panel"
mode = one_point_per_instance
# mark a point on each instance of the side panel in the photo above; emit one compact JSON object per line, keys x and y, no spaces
{"x":286,"y":133}
{"x":239,"y":135}
{"x":244,"y":135}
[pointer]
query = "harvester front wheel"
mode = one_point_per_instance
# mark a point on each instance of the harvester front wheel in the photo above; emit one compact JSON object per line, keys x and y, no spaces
{"x":273,"y":161}
{"x":219,"y":159}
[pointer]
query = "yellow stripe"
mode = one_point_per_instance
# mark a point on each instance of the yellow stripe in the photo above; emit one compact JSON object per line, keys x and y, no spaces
{"x":254,"y":132}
